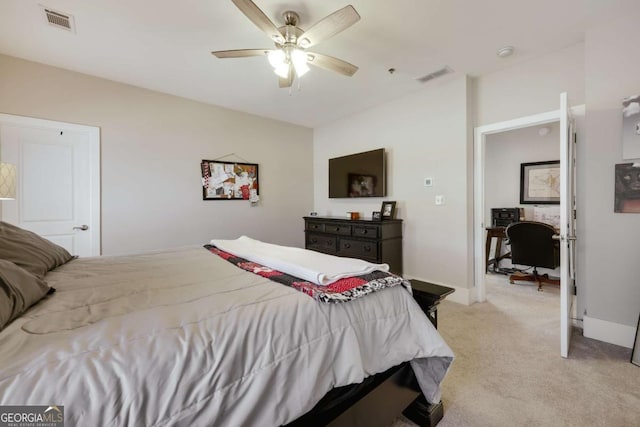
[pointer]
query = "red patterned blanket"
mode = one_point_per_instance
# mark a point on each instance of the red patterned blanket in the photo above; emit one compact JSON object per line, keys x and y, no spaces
{"x":343,"y":290}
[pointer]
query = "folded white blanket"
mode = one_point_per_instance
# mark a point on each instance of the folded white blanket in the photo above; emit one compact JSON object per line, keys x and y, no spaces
{"x":318,"y":268}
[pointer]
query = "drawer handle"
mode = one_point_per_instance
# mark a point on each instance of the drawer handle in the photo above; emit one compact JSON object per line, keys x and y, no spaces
{"x":329,"y":242}
{"x":337,"y":229}
{"x":364,"y":231}
{"x":367,"y":248}
{"x":314,"y":240}
{"x":347,"y":245}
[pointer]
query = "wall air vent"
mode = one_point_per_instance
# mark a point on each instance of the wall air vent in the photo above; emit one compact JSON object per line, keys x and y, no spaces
{"x":59,"y":19}
{"x":439,"y":73}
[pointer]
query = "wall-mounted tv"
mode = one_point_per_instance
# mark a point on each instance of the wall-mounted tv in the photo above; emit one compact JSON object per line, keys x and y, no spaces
{"x":358,"y":175}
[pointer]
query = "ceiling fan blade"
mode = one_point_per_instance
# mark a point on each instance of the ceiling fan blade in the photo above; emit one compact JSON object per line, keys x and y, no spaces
{"x":240,"y":53}
{"x":257,"y":16}
{"x":329,"y":26}
{"x":288,"y":81}
{"x":332,"y":64}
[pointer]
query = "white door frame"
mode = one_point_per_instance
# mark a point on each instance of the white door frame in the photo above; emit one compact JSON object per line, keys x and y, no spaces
{"x":479,"y":146}
{"x":94,"y":149}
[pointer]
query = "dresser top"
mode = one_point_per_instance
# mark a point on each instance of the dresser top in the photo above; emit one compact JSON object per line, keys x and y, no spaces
{"x":345,"y":219}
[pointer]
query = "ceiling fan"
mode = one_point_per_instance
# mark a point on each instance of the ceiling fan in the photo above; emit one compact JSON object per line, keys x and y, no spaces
{"x":290,"y":58}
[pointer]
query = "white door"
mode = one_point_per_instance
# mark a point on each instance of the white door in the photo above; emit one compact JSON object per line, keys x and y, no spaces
{"x":58,"y":185}
{"x":567,"y":222}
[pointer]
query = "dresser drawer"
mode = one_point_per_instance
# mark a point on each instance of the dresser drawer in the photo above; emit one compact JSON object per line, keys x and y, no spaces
{"x":365,"y":231}
{"x":322,"y":243}
{"x":314,"y":226}
{"x":340,"y":229}
{"x":358,"y":249}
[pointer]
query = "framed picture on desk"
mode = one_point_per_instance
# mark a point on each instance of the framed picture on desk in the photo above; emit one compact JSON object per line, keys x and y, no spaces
{"x":540,"y":183}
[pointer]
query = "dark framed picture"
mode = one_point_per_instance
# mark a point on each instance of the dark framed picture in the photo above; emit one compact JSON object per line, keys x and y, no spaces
{"x":635,"y":353}
{"x":229,"y":180}
{"x":627,"y":188}
{"x":540,"y":183}
{"x":388,"y":210}
{"x":376,"y":215}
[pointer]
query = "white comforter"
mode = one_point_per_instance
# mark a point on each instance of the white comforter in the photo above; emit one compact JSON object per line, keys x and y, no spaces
{"x":186,"y":338}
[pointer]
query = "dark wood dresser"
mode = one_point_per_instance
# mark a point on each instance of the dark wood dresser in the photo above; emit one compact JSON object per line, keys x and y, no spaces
{"x":373,"y":241}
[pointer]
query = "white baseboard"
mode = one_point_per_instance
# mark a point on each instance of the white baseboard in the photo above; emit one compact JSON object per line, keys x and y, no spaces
{"x":613,"y":333}
{"x":461,"y":295}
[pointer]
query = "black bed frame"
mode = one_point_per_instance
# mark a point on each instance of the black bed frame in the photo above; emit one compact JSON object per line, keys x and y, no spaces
{"x":376,"y":401}
{"x":381,"y":398}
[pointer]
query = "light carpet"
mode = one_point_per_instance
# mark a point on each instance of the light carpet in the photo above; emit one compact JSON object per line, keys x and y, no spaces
{"x":508,"y":370}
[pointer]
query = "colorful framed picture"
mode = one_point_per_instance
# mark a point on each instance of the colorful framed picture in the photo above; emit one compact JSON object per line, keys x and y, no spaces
{"x":388,"y":210}
{"x":229,"y":180}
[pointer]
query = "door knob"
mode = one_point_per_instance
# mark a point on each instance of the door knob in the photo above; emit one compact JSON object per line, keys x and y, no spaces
{"x":83,"y":227}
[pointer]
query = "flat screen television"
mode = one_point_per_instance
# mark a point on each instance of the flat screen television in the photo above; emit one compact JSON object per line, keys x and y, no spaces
{"x":358,"y":175}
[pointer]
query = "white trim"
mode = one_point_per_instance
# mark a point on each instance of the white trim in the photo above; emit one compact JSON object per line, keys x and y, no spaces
{"x":611,"y":332}
{"x":479,"y":144}
{"x":94,"y":149}
{"x":464,"y":296}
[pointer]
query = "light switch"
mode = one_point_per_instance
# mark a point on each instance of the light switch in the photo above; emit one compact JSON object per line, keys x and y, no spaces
{"x":439,"y":200}
{"x":428,"y":182}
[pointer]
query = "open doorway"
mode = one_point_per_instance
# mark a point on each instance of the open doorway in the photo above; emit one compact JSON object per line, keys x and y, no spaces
{"x":508,"y":155}
{"x":561,"y":116}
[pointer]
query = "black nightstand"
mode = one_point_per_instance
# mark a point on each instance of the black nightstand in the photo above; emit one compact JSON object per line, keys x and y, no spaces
{"x":428,"y":296}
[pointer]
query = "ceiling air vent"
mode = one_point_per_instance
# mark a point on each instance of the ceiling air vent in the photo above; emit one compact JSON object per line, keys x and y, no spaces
{"x":439,"y":73}
{"x":59,"y":19}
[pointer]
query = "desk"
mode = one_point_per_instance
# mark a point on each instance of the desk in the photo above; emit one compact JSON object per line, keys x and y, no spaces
{"x":498,"y":233}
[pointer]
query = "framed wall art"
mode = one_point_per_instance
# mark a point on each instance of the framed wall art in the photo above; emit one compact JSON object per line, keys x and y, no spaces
{"x":229,"y":180}
{"x":540,"y":183}
{"x":631,"y":127}
{"x":627,"y":188}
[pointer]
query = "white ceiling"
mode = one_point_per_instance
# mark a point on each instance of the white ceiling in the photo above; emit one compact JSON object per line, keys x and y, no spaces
{"x":165,"y":45}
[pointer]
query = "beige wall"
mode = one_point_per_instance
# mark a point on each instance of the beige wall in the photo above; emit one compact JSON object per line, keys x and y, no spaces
{"x":425,"y":135}
{"x":598,"y":73}
{"x":608,"y":258}
{"x":530,"y":87}
{"x":504,"y":153}
{"x":152,"y":145}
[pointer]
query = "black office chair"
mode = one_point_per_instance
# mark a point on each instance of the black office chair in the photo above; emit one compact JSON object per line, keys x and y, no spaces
{"x":532,"y":245}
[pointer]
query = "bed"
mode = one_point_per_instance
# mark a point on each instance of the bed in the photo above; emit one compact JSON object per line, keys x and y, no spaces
{"x":183,"y":337}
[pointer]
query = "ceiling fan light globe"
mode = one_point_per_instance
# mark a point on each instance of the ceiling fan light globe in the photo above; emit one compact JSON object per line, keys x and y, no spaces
{"x":299,"y":60}
{"x":276,"y":58}
{"x":282,"y":70}
{"x":301,"y":68}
